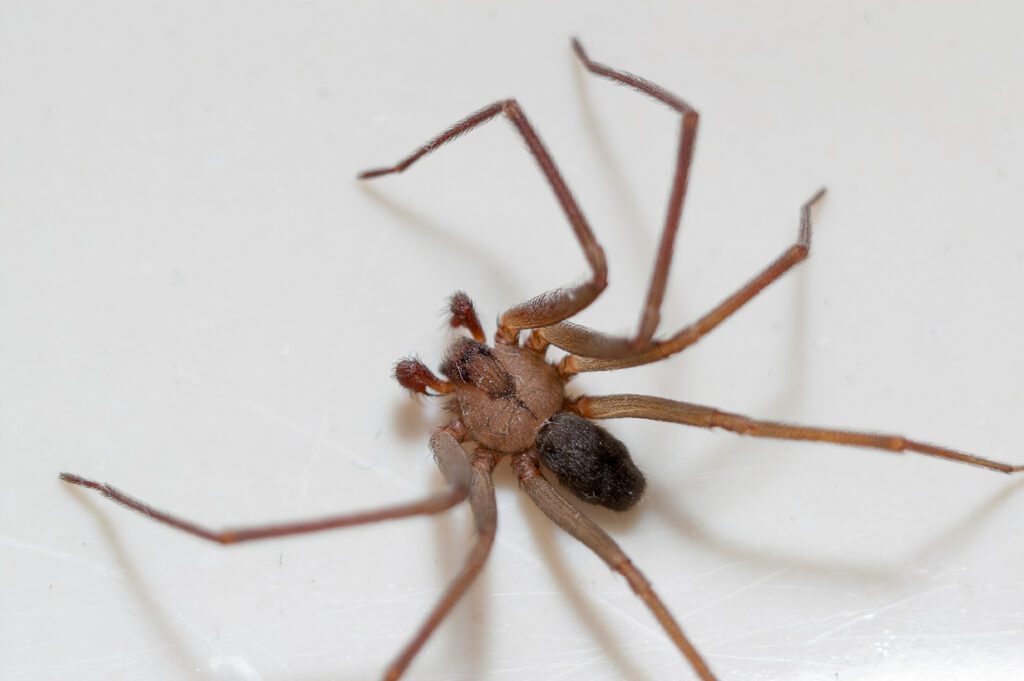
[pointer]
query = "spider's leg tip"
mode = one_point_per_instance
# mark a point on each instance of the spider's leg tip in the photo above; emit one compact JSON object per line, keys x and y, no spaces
{"x":577,"y":47}
{"x":78,"y":480}
{"x":377,"y":172}
{"x":817,"y":196}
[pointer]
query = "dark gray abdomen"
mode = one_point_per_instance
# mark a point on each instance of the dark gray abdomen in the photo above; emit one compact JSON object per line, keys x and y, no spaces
{"x":590,"y":461}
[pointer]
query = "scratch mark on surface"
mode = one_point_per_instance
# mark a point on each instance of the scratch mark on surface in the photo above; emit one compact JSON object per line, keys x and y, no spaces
{"x":790,"y":660}
{"x":736,"y":592}
{"x":17,"y":544}
{"x":89,"y":660}
{"x":237,"y":664}
{"x":871,"y":613}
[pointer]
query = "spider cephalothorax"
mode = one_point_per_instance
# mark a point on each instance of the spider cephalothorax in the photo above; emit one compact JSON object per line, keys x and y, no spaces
{"x":502,"y":394}
{"x":510,"y":401}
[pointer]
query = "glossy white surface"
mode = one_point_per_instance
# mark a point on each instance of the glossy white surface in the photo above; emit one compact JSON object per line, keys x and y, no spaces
{"x":199,"y":304}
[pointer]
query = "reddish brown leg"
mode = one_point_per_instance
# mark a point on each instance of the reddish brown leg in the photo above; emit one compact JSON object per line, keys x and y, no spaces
{"x":572,"y":334}
{"x":660,"y":409}
{"x":448,"y":454}
{"x":537,"y":343}
{"x":590,"y":343}
{"x":460,"y":307}
{"x":569,"y":518}
{"x":553,"y":306}
{"x":415,"y":376}
{"x":485,"y":517}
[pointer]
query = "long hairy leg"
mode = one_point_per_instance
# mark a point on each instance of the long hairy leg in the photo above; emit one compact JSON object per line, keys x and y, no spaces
{"x":660,"y":409}
{"x":451,"y":458}
{"x":583,"y":341}
{"x":553,"y":306}
{"x":688,"y":335}
{"x":569,"y":518}
{"x":485,"y":516}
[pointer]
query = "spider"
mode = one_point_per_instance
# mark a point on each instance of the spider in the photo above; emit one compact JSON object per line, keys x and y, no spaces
{"x":511,"y":401}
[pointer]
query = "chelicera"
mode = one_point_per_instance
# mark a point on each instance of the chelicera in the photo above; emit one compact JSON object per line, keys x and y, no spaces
{"x":510,"y":401}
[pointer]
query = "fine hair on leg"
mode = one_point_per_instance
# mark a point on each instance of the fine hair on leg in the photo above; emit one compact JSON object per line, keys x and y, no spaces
{"x":688,"y":335}
{"x":553,"y":306}
{"x":572,"y":520}
{"x":448,"y":453}
{"x":661,"y":409}
{"x":579,"y":340}
{"x":485,"y":519}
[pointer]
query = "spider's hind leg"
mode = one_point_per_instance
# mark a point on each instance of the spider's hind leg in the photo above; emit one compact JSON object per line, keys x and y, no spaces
{"x":569,"y":518}
{"x":449,"y":455}
{"x":686,"y":413}
{"x":485,"y":519}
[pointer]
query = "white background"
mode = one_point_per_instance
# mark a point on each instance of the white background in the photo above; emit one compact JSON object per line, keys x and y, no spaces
{"x":199,"y":304}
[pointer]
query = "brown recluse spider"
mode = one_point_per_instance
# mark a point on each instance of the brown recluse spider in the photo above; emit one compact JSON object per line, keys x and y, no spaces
{"x":510,"y":401}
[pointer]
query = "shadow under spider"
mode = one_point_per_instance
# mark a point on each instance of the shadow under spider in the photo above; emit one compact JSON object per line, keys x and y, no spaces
{"x":457,"y":248}
{"x":543,"y":531}
{"x":481,"y":491}
{"x":618,"y":180}
{"x":962,"y":530}
{"x":156,"y":613}
{"x":967,"y":526}
{"x":195,"y":666}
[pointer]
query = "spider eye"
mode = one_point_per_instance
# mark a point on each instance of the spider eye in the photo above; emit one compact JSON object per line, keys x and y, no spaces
{"x":590,"y":462}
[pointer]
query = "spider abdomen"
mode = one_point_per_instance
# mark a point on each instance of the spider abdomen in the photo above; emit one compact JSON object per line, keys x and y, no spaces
{"x":591,"y":462}
{"x":503,"y":394}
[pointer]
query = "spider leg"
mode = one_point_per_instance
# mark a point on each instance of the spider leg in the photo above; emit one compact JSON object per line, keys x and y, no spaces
{"x":569,"y":518}
{"x":485,"y":516}
{"x":570,"y":334}
{"x":591,"y":343}
{"x":448,"y":453}
{"x":660,"y":409}
{"x":553,"y":306}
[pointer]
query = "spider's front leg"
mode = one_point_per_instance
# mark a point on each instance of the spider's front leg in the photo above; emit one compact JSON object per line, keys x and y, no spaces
{"x":553,"y":306}
{"x":588,"y":342}
{"x":592,"y":350}
{"x":688,"y":335}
